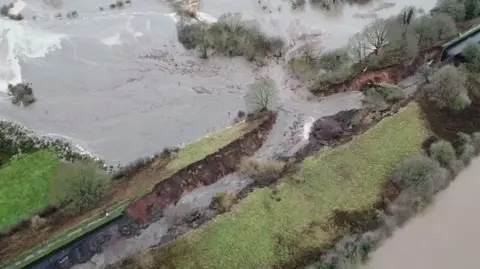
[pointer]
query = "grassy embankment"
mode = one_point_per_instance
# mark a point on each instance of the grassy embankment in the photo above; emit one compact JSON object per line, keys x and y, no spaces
{"x":24,"y":186}
{"x":149,"y":177}
{"x":269,"y":228}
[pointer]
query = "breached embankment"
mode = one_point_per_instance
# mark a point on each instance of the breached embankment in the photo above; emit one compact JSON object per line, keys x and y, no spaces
{"x":165,"y":195}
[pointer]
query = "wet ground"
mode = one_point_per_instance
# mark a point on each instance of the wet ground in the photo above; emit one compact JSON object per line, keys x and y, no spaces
{"x":444,"y":236}
{"x":118,"y":83}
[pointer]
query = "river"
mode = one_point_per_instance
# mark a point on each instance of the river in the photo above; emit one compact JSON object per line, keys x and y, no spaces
{"x":445,"y":236}
{"x":117,"y":82}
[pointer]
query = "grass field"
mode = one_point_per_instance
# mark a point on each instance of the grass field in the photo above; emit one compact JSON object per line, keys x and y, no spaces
{"x":24,"y":184}
{"x":266,"y":229}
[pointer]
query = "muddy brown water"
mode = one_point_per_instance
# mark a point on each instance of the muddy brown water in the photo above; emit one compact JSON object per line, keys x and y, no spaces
{"x":445,"y":236}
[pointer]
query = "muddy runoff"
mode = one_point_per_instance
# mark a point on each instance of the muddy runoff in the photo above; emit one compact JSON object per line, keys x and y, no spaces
{"x":444,"y":236}
{"x":197,"y":208}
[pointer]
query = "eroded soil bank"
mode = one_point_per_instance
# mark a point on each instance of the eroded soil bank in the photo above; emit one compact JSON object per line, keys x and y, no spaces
{"x":444,"y":236}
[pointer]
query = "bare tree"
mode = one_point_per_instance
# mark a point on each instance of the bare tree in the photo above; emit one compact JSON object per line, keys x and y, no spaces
{"x":375,"y":34}
{"x":357,"y":47}
{"x":444,"y":26}
{"x":262,"y":95}
{"x":204,"y":39}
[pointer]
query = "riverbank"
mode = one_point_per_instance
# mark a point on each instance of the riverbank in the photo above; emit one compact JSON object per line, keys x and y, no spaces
{"x":445,"y":233}
{"x":268,"y":229}
{"x":133,"y":183}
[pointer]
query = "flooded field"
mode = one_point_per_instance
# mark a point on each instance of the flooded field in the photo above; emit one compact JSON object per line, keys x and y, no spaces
{"x":445,"y":236}
{"x":118,"y":83}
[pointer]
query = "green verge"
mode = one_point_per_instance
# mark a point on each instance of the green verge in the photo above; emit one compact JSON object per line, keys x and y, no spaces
{"x":267,"y":229}
{"x":24,"y":184}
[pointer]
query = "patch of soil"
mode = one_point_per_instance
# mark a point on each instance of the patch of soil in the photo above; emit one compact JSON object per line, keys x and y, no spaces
{"x":446,"y":124}
{"x":351,"y":222}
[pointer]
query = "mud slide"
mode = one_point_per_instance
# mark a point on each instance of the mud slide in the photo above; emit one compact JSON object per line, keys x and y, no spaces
{"x":202,"y":173}
{"x":390,"y":75}
{"x":445,"y":236}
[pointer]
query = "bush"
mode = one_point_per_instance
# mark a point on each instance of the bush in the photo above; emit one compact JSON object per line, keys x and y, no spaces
{"x":78,"y":186}
{"x":262,"y":96}
{"x":334,"y":59}
{"x":37,"y":222}
{"x":119,"y":3}
{"x":447,"y":89}
{"x":389,"y":93}
{"x":476,"y":142}
{"x":471,"y":55}
{"x":422,"y":174}
{"x":5,"y":10}
{"x":262,"y":172}
{"x":223,"y":201}
{"x":466,"y":147}
{"x":443,"y":152}
{"x":21,"y":94}
{"x":112,"y":6}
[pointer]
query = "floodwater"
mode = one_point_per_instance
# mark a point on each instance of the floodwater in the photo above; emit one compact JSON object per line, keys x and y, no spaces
{"x":445,"y":236}
{"x":118,"y":83}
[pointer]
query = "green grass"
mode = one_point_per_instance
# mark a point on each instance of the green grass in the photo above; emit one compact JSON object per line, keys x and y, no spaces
{"x":199,"y":149}
{"x":260,"y":232}
{"x":24,"y":184}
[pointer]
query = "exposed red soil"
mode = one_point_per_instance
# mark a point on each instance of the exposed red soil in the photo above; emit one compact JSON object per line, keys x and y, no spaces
{"x":201,"y":173}
{"x":392,"y":74}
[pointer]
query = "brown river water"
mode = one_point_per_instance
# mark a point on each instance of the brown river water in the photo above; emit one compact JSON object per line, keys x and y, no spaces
{"x":445,"y":236}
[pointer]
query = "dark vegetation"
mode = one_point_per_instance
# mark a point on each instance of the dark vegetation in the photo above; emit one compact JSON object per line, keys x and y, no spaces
{"x":4,"y":11}
{"x":231,"y":36}
{"x":21,"y":94}
{"x":77,"y":186}
{"x":119,"y":4}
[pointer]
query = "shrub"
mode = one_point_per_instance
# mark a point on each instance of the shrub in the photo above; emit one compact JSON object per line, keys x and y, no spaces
{"x":262,"y":172}
{"x":119,"y":3}
{"x":422,"y":174}
{"x":389,"y":93}
{"x":223,"y":201}
{"x":466,"y":148}
{"x":262,"y":95}
{"x":5,"y":9}
{"x":447,"y":89}
{"x":37,"y":222}
{"x":476,"y":142}
{"x":443,"y":152}
{"x":112,"y":6}
{"x":77,"y":186}
{"x":334,"y":59}
{"x":21,"y":94}
{"x":471,"y":55}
